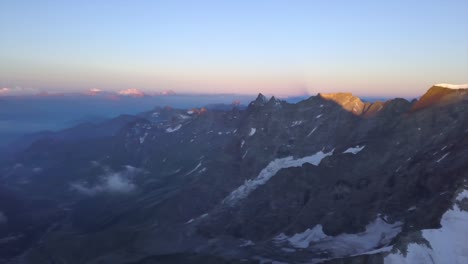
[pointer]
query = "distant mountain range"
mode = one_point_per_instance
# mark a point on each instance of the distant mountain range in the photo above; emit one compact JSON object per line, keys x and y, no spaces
{"x":329,"y":179}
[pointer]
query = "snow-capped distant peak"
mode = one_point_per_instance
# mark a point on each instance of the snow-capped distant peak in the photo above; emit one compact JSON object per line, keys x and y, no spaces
{"x":132,"y":92}
{"x":452,"y":86}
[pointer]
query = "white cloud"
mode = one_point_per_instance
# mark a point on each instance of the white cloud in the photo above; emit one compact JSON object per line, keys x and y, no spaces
{"x":111,"y":182}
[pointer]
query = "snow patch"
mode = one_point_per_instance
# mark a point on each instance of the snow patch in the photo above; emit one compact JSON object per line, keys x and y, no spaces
{"x":354,"y":150}
{"x":296,"y":123}
{"x":142,"y":139}
{"x":252,"y":131}
{"x":302,"y":240}
{"x":269,"y":171}
{"x":170,"y":129}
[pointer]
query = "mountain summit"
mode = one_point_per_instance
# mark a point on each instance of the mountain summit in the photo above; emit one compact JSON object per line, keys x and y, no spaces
{"x":442,"y":94}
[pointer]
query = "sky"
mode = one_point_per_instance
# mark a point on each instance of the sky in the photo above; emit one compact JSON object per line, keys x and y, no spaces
{"x":369,"y":48}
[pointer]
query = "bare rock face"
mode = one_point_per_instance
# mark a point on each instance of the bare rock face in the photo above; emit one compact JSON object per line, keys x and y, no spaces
{"x":329,"y":179}
{"x":354,"y":104}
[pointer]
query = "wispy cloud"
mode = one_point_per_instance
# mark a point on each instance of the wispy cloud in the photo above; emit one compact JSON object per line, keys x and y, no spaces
{"x":110,"y":182}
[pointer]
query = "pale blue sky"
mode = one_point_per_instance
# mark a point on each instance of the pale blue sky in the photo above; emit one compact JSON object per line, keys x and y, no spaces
{"x":280,"y":47}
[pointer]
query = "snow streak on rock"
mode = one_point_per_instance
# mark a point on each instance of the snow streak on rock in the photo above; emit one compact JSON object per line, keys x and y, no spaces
{"x":269,"y":171}
{"x":443,"y":157}
{"x":311,"y":132}
{"x":194,"y":169}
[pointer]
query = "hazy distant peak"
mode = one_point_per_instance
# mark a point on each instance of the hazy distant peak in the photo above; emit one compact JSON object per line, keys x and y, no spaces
{"x":261,"y":98}
{"x":167,"y":92}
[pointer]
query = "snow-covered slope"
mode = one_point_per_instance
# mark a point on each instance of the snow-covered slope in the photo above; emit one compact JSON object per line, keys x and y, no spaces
{"x":452,"y":86}
{"x":446,"y":245}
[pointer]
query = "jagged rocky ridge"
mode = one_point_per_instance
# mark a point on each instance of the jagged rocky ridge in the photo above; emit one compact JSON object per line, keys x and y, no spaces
{"x":329,"y":179}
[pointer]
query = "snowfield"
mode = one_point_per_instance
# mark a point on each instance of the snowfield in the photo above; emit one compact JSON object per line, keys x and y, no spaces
{"x":269,"y":171}
{"x":448,"y":244}
{"x":377,"y":236}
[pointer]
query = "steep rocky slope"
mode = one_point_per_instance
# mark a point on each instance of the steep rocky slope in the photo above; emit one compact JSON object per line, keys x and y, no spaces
{"x":329,"y":179}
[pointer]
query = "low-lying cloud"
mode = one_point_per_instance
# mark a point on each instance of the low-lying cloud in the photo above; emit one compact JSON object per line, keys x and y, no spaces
{"x":3,"y":218}
{"x":110,"y":182}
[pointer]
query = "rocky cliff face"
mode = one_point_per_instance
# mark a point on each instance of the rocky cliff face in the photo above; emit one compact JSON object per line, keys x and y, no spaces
{"x":329,"y":179}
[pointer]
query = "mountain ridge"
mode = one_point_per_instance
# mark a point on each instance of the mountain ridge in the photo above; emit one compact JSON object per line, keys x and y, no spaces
{"x":276,"y":181}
